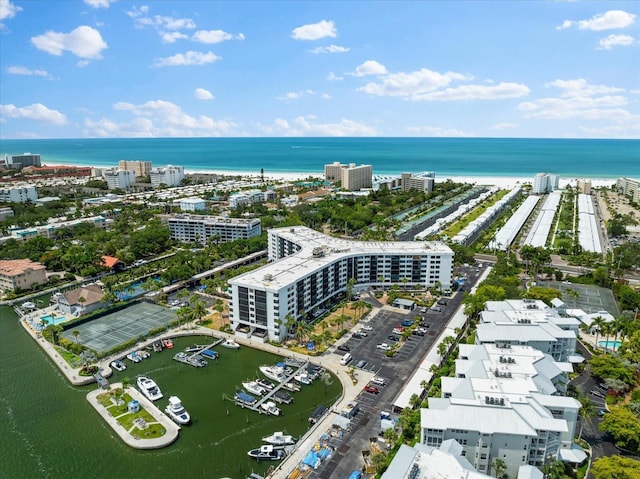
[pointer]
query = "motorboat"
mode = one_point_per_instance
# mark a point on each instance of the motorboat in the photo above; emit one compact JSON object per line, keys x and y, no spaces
{"x":208,"y":353}
{"x":268,"y":385}
{"x":242,"y":398}
{"x":267,"y":452}
{"x":167,"y":343}
{"x":271,"y":408}
{"x":254,"y":388}
{"x":176,"y":411}
{"x":197,"y":361}
{"x":303,"y":378}
{"x":134,"y":356}
{"x":157,"y":346}
{"x":118,"y":365}
{"x":283,"y":397}
{"x":229,"y":343}
{"x":143,"y":354}
{"x":274,"y":373}
{"x":293,"y":387}
{"x":279,"y":439}
{"x":149,"y":388}
{"x":194,"y":348}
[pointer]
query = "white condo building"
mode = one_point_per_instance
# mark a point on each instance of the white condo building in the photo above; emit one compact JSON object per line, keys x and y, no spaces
{"x":505,"y":403}
{"x":188,"y":228}
{"x":192,"y":204}
{"x":117,"y":178}
{"x":18,"y":194}
{"x":528,"y":322}
{"x":309,"y":270}
{"x":419,"y":181}
{"x":351,"y":177}
{"x":169,"y":176}
{"x":544,"y":183}
{"x":629,"y":187}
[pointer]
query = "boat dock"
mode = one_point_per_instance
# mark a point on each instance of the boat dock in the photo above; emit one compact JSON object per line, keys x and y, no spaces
{"x":192,"y":358}
{"x":257,"y":405}
{"x":101,"y":380}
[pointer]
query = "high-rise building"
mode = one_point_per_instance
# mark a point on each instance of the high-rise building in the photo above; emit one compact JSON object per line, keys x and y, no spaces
{"x":419,"y":181}
{"x":169,"y":176}
{"x":140,"y":168}
{"x":629,"y":187}
{"x":117,"y":178}
{"x":26,"y":159}
{"x":351,"y":177}
{"x":544,"y":183}
{"x":584,"y":186}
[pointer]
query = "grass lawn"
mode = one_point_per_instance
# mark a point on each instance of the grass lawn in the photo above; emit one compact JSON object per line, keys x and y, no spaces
{"x":71,"y":358}
{"x":126,"y":419}
{"x":458,"y":226}
{"x":150,"y":432}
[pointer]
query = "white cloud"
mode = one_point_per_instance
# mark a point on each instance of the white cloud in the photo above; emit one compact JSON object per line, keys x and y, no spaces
{"x":370,"y":67}
{"x":84,"y":42}
{"x":315,"y":31}
{"x":171,"y":37}
{"x":475,"y":92}
{"x":187,"y":58}
{"x":579,"y":99}
{"x":295,"y":95}
{"x":411,"y":84}
{"x":439,"y":132}
{"x":162,"y":22}
{"x":37,"y":112}
{"x":8,"y":9}
{"x":304,"y":126}
{"x":20,"y":70}
{"x":292,"y":95}
{"x":333,"y":77}
{"x":611,"y":20}
{"x":504,"y":126}
{"x":615,"y":40}
{"x":215,"y":36}
{"x":158,"y":118}
{"x":136,"y":12}
{"x":99,"y":3}
{"x":325,"y":96}
{"x":202,"y":94}
{"x":330,"y":49}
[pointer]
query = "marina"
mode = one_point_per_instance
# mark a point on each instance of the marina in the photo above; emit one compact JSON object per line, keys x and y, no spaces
{"x":194,"y":355}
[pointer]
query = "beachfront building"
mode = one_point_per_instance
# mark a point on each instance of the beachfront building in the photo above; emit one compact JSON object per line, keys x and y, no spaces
{"x":351,"y":177}
{"x":26,"y":159}
{"x":139,"y":168}
{"x":21,"y":274}
{"x":169,"y":176}
{"x":528,"y":322}
{"x":119,"y":179}
{"x":309,"y":271}
{"x":187,"y":228}
{"x":49,"y":230}
{"x":544,"y":183}
{"x":629,"y":187}
{"x":418,"y":181}
{"x":447,"y":460}
{"x":18,"y":194}
{"x":584,"y":186}
{"x":192,"y":204}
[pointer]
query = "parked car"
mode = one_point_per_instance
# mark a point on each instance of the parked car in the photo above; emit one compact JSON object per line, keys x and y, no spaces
{"x":371,"y":389}
{"x":442,"y":301}
{"x":361,"y":364}
{"x":362,"y":332}
{"x":357,"y":335}
{"x":417,"y":332}
{"x":344,"y":347}
{"x":436,"y":309}
{"x":423,"y":324}
{"x":407,"y":322}
{"x":366,"y":327}
{"x":383,"y":346}
{"x":378,"y":380}
{"x":423,"y":310}
{"x":398,"y":330}
{"x":393,"y":337}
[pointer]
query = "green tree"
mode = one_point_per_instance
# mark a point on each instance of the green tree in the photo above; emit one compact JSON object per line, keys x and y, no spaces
{"x":616,"y":467}
{"x":76,"y":334}
{"x":624,"y":426}
{"x":585,"y":412}
{"x":499,"y":467}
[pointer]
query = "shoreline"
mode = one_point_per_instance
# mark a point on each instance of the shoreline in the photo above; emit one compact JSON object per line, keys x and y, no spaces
{"x":497,"y":180}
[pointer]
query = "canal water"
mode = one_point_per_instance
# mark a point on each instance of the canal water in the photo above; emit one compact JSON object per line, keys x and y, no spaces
{"x":49,"y":430}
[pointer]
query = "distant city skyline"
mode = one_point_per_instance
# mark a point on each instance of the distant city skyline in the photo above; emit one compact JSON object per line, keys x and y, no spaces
{"x":113,"y":69}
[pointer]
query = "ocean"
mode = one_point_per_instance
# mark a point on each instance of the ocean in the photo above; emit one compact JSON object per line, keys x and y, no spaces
{"x":477,"y":157}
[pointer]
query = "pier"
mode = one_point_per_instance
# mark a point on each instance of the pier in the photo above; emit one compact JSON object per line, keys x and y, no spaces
{"x":257,"y":405}
{"x":196,"y":359}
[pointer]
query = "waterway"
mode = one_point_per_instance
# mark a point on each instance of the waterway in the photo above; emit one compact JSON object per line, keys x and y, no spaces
{"x":49,"y":430}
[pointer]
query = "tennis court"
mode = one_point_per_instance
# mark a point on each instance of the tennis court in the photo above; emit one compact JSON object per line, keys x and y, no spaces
{"x":588,"y":298}
{"x":106,"y":332}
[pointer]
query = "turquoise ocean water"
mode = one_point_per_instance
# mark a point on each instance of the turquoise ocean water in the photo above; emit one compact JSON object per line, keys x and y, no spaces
{"x":507,"y":157}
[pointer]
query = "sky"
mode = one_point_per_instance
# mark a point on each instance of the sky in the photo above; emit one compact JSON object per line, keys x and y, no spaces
{"x":520,"y":69}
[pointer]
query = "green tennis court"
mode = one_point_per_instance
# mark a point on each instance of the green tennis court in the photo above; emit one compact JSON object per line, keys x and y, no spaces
{"x":588,"y":298}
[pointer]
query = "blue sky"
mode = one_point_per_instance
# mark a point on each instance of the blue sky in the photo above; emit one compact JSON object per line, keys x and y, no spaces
{"x":105,"y":68}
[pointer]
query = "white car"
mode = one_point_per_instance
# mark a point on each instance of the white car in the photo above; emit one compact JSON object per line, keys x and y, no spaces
{"x":367,"y":328}
{"x":384,"y":347}
{"x":362,"y":332}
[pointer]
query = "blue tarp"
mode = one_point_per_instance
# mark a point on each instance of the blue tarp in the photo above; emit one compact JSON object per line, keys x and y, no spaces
{"x":311,"y":460}
{"x":355,"y":475}
{"x":323,"y":453}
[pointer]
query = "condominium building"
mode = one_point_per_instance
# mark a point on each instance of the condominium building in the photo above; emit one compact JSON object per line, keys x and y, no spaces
{"x":503,"y":403}
{"x":419,"y":181}
{"x":5,"y":212}
{"x":629,"y":187}
{"x":21,"y":274}
{"x":192,"y":204}
{"x":249,"y":197}
{"x":351,"y":177}
{"x":200,"y":229}
{"x":544,"y":183}
{"x":308,"y":271}
{"x":531,"y":323}
{"x":584,"y":186}
{"x":446,"y":461}
{"x":26,"y":159}
{"x":140,"y":168}
{"x":169,"y":176}
{"x":119,"y":179}
{"x":49,"y":230}
{"x":18,"y":194}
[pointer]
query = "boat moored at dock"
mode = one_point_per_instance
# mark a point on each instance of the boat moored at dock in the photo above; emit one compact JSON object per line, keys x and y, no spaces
{"x":279,"y":439}
{"x":149,"y":388}
{"x":176,"y":411}
{"x":271,"y":408}
{"x":275,"y":373}
{"x":230,"y":344}
{"x":243,"y":399}
{"x":254,"y":388}
{"x":267,"y":452}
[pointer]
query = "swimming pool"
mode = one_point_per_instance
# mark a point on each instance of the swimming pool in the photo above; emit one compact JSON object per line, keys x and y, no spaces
{"x":50,"y":319}
{"x":610,"y":344}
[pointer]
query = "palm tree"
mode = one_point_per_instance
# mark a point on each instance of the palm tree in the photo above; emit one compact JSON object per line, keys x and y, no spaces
{"x":585,"y":412}
{"x":76,"y":333}
{"x":499,"y":467}
{"x":597,"y":324}
{"x":199,"y":309}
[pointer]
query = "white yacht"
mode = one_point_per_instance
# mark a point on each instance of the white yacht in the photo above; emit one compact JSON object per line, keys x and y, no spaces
{"x":279,"y":439}
{"x":275,"y":373}
{"x":149,"y":388}
{"x":254,"y":388}
{"x":229,"y":343}
{"x":176,"y":411}
{"x":271,"y":408}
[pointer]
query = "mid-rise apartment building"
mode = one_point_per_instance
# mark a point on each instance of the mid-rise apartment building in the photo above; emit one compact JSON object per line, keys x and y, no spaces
{"x":351,"y":177}
{"x":629,"y":187}
{"x":119,"y":179}
{"x":18,"y":194}
{"x":169,"y":176}
{"x":140,"y":168}
{"x":26,"y":159}
{"x":308,"y":270}
{"x":21,"y":274}
{"x":188,"y":228}
{"x":544,"y":183}
{"x":419,"y":181}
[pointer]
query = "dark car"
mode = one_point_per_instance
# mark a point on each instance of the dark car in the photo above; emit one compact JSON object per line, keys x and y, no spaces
{"x":393,"y":337}
{"x":442,"y":302}
{"x":423,"y":324}
{"x":344,"y":347}
{"x":357,"y":335}
{"x":415,"y":332}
